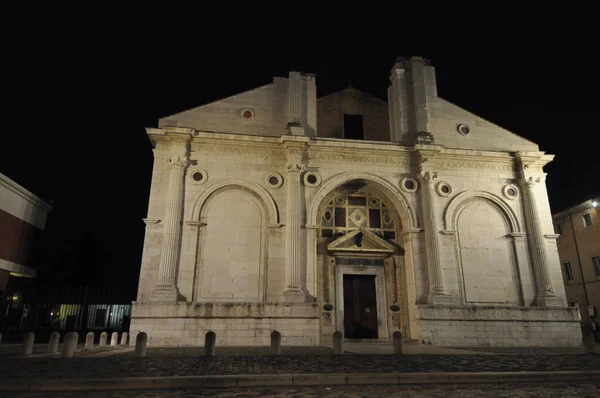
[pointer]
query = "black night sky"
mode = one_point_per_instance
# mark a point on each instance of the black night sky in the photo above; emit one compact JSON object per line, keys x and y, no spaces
{"x":81,"y":81}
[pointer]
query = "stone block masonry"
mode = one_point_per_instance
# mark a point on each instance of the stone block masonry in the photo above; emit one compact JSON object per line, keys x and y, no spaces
{"x":234,"y":324}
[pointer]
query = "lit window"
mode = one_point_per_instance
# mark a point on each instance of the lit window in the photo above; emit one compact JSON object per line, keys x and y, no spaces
{"x":596,"y":262}
{"x":357,"y":207}
{"x":568,"y":271}
{"x":587,"y":219}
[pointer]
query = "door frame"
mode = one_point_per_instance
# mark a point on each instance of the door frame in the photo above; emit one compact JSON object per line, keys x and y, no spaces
{"x":380,"y":294}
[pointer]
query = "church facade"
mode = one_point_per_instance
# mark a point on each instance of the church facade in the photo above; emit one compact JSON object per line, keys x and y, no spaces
{"x":277,"y":210}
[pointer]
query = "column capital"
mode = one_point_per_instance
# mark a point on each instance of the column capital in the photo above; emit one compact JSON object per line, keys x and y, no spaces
{"x":177,"y":162}
{"x":429,"y":176}
{"x":532,"y":181}
{"x":294,"y":168}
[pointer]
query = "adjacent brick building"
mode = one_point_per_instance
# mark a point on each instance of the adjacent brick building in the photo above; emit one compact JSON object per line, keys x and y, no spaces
{"x":579,"y":251}
{"x":22,"y":218}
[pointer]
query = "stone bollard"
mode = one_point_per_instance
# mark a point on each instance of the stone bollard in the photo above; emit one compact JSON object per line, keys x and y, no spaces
{"x":70,"y":344}
{"x":89,"y":341}
{"x":275,"y":343}
{"x":28,"y":340}
{"x":338,"y":343}
{"x":114,"y":339}
{"x":140,"y":344}
{"x":103,"y":337}
{"x":53,"y":343}
{"x":209,"y":344}
{"x":397,"y":342}
{"x":124,"y":337}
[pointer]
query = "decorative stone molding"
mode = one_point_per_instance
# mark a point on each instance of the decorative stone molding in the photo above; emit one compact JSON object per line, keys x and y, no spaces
{"x":312,"y":179}
{"x":239,"y":152}
{"x":460,"y":200}
{"x":389,"y":191}
{"x":510,"y":191}
{"x":499,"y":313}
{"x":551,"y":236}
{"x":274,"y":180}
{"x":443,"y":189}
{"x":225,"y":310}
{"x":409,"y":184}
{"x":197,"y":176}
{"x":354,"y":158}
{"x":151,"y":223}
{"x":195,"y":225}
{"x":462,"y":164}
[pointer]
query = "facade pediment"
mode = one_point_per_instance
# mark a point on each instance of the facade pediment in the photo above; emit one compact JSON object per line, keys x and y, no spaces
{"x":360,"y":241}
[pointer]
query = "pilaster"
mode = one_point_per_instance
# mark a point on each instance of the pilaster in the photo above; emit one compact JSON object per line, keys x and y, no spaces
{"x":294,"y":125}
{"x":437,"y":286}
{"x":166,"y":289}
{"x":294,"y":291}
{"x":531,"y":176}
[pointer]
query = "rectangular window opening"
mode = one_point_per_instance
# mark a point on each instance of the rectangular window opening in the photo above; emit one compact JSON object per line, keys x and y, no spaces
{"x":558,"y":228}
{"x":587,"y":219}
{"x":596,"y":262}
{"x":568,"y":271}
{"x":353,"y":127}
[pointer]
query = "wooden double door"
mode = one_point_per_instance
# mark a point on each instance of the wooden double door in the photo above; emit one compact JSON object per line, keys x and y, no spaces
{"x":360,"y":307}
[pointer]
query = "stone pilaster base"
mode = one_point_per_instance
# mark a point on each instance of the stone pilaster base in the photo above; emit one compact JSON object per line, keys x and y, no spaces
{"x":293,"y":295}
{"x":547,"y":300}
{"x":295,"y":129}
{"x":165,"y":293}
{"x":440,"y":298}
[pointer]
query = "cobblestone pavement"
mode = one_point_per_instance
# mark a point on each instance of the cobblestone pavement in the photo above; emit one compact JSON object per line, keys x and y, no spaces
{"x":445,"y":391}
{"x":189,"y":362}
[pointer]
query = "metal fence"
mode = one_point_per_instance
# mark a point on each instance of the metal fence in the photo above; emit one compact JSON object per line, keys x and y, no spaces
{"x":66,"y":309}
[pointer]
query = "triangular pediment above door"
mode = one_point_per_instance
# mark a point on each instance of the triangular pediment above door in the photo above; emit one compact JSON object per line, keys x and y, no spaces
{"x":362,"y":241}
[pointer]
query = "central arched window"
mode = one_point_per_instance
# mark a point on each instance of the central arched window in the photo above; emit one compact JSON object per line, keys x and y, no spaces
{"x":357,"y":206}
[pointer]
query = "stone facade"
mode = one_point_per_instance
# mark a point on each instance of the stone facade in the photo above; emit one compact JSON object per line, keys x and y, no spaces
{"x":257,"y":222}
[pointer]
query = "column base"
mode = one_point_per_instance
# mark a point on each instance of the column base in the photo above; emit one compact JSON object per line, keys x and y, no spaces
{"x":293,"y":295}
{"x":440,"y":298}
{"x":165,"y":292}
{"x":295,"y":129}
{"x":548,"y":300}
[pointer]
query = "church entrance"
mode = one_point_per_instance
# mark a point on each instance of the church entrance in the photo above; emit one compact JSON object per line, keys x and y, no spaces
{"x":360,"y":307}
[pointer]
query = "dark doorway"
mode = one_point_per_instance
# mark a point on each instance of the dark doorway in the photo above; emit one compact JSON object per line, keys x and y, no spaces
{"x":353,"y":127}
{"x":360,"y":307}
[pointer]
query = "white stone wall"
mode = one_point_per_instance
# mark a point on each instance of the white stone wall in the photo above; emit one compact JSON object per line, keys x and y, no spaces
{"x":500,"y":326}
{"x":269,"y":105}
{"x":231,"y":272}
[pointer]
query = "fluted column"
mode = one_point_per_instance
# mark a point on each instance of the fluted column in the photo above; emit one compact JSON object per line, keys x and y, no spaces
{"x":544,"y":292}
{"x":166,"y":288}
{"x":437,"y":286}
{"x":293,"y":259}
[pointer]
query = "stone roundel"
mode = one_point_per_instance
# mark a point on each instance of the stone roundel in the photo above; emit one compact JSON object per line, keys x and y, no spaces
{"x":510,"y":191}
{"x":247,"y":113}
{"x":197,"y":175}
{"x":443,"y":188}
{"x":463,"y":129}
{"x":274,"y":180}
{"x":409,"y":184}
{"x":312,"y":179}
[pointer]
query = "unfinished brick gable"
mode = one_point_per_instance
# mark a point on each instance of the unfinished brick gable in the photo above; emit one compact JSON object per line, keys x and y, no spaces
{"x":331,"y":110}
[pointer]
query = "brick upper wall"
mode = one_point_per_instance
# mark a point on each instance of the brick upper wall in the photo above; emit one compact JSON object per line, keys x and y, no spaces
{"x":331,"y":110}
{"x":17,"y":240}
